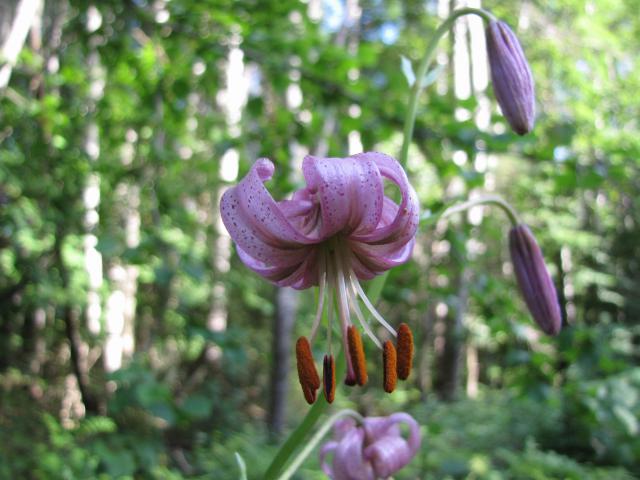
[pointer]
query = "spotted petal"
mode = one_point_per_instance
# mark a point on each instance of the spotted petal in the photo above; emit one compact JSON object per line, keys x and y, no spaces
{"x":348,"y":461}
{"x":391,"y":243}
{"x":390,"y":451}
{"x":267,"y":241}
{"x":349,"y":191}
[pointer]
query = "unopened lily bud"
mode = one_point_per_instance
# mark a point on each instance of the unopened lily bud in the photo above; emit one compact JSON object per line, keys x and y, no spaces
{"x":534,"y":280}
{"x":511,"y":77}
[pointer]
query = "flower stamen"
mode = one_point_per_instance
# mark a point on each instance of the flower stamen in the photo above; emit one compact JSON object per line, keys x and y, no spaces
{"x":329,"y":377}
{"x":356,"y":353}
{"x":365,"y":325}
{"x":405,"y":351}
{"x":307,"y":373}
{"x":389,"y":360}
{"x":355,"y":284}
{"x":343,"y":313}
{"x":321,"y":295}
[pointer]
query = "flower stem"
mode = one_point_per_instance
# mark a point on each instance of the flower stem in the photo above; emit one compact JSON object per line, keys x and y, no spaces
{"x":486,"y":200}
{"x":315,"y":440}
{"x":298,"y":436}
{"x":241,"y":466}
{"x":418,"y":86}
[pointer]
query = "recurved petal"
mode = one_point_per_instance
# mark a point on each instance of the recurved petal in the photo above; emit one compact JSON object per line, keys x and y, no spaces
{"x":391,"y":452}
{"x":327,"y":449}
{"x":350,"y":193}
{"x":342,"y":427}
{"x":402,"y":228}
{"x":268,"y":240}
{"x":300,"y":275}
{"x":348,"y":460}
{"x":376,"y":259}
{"x":377,"y":427}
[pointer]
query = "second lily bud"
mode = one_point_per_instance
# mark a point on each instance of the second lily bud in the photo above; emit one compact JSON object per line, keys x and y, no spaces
{"x":534,"y":280}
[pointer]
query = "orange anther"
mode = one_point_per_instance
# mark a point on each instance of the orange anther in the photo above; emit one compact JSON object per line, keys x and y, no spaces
{"x":389,"y":361}
{"x":329,"y":377}
{"x":405,"y":351}
{"x":356,"y":352}
{"x":307,"y":373}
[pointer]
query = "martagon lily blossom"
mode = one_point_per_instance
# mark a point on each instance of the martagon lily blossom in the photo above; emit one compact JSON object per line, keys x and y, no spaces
{"x":376,"y":449}
{"x":340,"y":229}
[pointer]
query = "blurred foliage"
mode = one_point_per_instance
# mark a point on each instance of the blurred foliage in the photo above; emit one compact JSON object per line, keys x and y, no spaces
{"x":150,"y":80}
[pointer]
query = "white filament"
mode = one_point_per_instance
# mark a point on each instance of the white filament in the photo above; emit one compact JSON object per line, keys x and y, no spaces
{"x":321,"y":295}
{"x":363,"y":322}
{"x":355,"y":284}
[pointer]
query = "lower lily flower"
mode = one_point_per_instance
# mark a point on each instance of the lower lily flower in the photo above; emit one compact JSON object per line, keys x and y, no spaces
{"x":374,"y":450}
{"x":340,"y":229}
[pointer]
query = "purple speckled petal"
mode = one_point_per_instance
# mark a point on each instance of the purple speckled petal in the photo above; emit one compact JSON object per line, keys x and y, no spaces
{"x":349,"y":191}
{"x":256,"y":222}
{"x":391,"y":452}
{"x":348,"y":461}
{"x":267,"y":241}
{"x":376,"y":427}
{"x":405,"y":223}
{"x":379,"y":258}
{"x":342,"y":427}
{"x":390,"y":244}
{"x":327,"y":448}
{"x":300,"y":275}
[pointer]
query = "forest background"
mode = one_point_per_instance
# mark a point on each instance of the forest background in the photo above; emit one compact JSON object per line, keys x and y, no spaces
{"x":135,"y":344}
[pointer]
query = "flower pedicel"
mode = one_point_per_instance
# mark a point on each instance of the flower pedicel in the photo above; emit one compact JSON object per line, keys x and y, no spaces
{"x":339,"y":229}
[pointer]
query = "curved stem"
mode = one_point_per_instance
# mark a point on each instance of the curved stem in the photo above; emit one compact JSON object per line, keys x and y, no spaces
{"x":299,"y":435}
{"x":241,"y":466}
{"x":486,"y":200}
{"x":417,"y":88}
{"x":315,"y":440}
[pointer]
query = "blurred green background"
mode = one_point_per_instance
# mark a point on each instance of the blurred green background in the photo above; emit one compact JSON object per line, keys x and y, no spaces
{"x":135,"y":344}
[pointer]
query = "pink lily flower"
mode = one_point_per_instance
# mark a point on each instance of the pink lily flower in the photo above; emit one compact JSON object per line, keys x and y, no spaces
{"x":374,"y":450}
{"x":340,"y":229}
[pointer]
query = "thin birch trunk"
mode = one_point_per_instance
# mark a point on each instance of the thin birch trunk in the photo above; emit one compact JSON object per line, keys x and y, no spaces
{"x":26,"y":13}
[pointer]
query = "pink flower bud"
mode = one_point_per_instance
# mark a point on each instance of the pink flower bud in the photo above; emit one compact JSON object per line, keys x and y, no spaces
{"x":511,"y":77}
{"x":534,"y":280}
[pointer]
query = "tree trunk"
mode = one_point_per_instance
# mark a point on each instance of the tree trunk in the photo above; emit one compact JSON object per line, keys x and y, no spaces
{"x":26,"y":12}
{"x":286,"y":308}
{"x":451,"y":359}
{"x":77,"y":347}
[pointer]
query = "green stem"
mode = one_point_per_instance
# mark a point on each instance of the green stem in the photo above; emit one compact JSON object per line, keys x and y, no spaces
{"x":486,"y":200}
{"x":315,"y":440}
{"x":295,"y":439}
{"x":241,"y":466}
{"x":298,"y":436}
{"x":417,"y":88}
